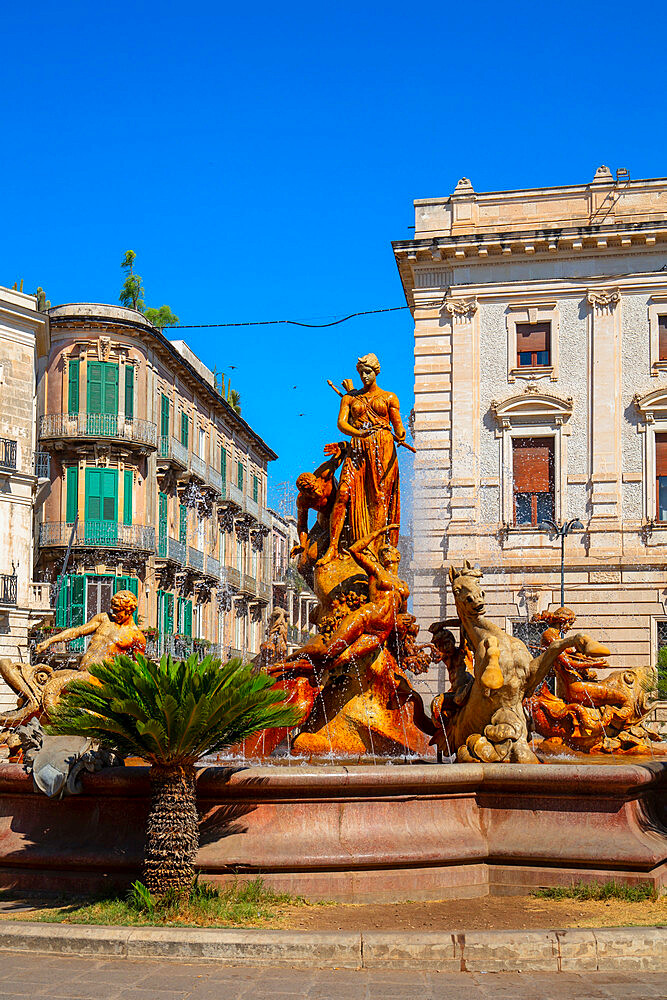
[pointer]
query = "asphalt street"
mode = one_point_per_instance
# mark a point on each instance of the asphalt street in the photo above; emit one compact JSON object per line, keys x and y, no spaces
{"x":25,"y":975}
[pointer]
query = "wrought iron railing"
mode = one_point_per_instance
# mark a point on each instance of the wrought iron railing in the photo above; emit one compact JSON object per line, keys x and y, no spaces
{"x":42,"y":465}
{"x":102,"y":534}
{"x":264,"y":590}
{"x":98,"y":425}
{"x":172,"y":449}
{"x":232,"y":576}
{"x":8,"y":588}
{"x":249,"y":585}
{"x":195,"y":558}
{"x":213,"y":567}
{"x":198,"y":466}
{"x":177,"y":551}
{"x":8,"y":450}
{"x":180,"y":646}
{"x":214,"y":478}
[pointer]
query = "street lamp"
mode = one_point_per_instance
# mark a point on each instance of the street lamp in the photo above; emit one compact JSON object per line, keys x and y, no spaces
{"x":561,"y":530}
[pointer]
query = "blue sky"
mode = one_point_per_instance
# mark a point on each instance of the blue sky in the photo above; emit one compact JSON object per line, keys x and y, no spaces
{"x":260,"y":161}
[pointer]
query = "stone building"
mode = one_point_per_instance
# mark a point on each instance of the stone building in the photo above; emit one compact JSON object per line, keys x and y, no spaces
{"x":289,"y":589}
{"x":23,"y":473}
{"x":541,"y":394}
{"x":158,"y":486}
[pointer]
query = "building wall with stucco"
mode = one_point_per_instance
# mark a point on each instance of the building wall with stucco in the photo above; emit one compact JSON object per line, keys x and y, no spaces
{"x":589,"y":260}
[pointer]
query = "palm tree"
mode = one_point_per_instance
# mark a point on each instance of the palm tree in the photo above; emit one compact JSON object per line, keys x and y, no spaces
{"x":234,"y":399}
{"x":171,"y":714}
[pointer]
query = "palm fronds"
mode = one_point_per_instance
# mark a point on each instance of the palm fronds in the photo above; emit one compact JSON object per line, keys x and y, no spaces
{"x":171,"y":712}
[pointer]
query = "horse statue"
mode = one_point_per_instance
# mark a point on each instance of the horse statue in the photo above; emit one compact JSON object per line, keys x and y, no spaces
{"x":490,"y":724}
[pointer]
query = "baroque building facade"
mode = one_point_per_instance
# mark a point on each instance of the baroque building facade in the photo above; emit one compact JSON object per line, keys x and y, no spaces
{"x":158,"y":486}
{"x":24,"y":474}
{"x":541,"y":396}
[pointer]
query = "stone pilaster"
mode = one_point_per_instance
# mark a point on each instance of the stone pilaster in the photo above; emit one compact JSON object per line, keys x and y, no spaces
{"x":605,"y":412}
{"x":465,"y":409}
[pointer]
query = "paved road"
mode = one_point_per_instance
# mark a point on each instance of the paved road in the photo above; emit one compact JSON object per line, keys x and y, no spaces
{"x":58,"y":978}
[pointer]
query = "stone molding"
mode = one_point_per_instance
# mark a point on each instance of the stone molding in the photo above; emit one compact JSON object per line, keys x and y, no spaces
{"x":461,"y":310}
{"x":603,"y":299}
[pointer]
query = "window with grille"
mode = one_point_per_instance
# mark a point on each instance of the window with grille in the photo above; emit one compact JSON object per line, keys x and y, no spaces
{"x":533,"y":480}
{"x":533,"y":345}
{"x":531,"y":634}
{"x":661,"y":476}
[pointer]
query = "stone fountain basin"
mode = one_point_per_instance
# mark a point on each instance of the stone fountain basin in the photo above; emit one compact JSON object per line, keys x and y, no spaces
{"x":361,"y":833}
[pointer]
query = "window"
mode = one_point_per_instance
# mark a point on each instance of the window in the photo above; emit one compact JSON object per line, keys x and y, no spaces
{"x":102,"y":395}
{"x":533,"y":480}
{"x":530,"y":633}
{"x":185,"y":430}
{"x":162,"y":525}
{"x":202,"y":443}
{"x":182,"y":523}
{"x":662,"y":338}
{"x":223,"y":463}
{"x":164,"y":417}
{"x":129,"y":392}
{"x":239,"y":555}
{"x":128,"y":483}
{"x":662,"y":660}
{"x":73,"y":386}
{"x":255,"y":488}
{"x":533,"y":345}
{"x":101,"y":509}
{"x":72,"y":494}
{"x":239,"y":475}
{"x":661,"y":476}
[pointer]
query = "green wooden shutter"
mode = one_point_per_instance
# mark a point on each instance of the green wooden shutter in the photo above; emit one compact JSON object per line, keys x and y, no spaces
{"x":77,"y":599}
{"x":110,"y":495}
{"x":72,"y":493}
{"x":185,"y":430}
{"x":127,"y":583}
{"x":127,"y":496}
{"x":94,"y":494}
{"x":129,"y":392}
{"x":164,"y":416}
{"x":61,"y":607}
{"x":94,"y":390}
{"x":239,"y":475}
{"x":73,"y":386}
{"x":187,"y":622}
{"x":162,"y":525}
{"x":169,"y":624}
{"x":182,"y":523}
{"x":255,"y":488}
{"x":223,"y":464}
{"x":110,"y":388}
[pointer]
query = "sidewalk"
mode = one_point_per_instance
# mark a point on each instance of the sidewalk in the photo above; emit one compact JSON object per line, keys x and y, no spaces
{"x":622,"y":949}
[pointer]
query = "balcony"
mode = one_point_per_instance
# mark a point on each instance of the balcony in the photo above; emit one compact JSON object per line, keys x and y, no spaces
{"x":98,"y":534}
{"x":42,"y":465}
{"x":171,"y":450}
{"x":252,"y":508}
{"x":8,"y":589}
{"x":249,"y":585}
{"x":39,"y":597}
{"x":180,"y":646}
{"x":231,"y":576}
{"x":264,"y":591}
{"x":214,"y":479}
{"x":213,"y":567}
{"x":197,"y":467}
{"x":232,"y":495}
{"x":8,"y":450}
{"x":172,"y":550}
{"x":96,"y":426}
{"x":195,"y":559}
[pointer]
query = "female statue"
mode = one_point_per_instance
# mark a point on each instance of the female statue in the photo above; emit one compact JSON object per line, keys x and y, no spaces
{"x":369,"y":483}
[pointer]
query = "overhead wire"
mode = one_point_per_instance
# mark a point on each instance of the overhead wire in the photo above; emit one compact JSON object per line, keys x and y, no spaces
{"x":291,"y":322}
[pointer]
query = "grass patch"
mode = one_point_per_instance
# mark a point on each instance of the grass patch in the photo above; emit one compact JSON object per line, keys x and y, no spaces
{"x":600,"y":891}
{"x":204,"y":905}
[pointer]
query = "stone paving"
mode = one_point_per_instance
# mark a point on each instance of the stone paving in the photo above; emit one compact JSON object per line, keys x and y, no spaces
{"x":24,"y":976}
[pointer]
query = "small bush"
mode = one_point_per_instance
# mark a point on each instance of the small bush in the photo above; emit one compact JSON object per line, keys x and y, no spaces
{"x":599,"y":891}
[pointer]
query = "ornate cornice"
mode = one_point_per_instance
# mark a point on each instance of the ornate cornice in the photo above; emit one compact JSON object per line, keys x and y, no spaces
{"x":532,"y":405}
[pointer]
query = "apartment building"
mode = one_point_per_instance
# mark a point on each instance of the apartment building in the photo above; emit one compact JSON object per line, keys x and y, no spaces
{"x":541,"y":396}
{"x":158,"y":485}
{"x":24,"y":474}
{"x":289,"y":589}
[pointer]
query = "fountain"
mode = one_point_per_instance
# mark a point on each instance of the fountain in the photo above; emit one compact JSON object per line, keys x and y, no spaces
{"x":502,"y":819}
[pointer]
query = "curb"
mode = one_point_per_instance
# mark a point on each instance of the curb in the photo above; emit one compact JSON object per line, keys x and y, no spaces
{"x":609,"y":949}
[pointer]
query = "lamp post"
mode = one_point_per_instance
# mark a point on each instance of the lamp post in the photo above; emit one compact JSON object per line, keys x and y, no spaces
{"x":561,"y":530}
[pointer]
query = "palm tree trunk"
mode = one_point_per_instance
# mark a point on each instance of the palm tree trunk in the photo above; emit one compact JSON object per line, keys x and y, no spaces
{"x":172,"y":830}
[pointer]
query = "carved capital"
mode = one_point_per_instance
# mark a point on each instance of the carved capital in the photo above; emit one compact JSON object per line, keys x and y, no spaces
{"x":603,"y":299}
{"x":462,"y":310}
